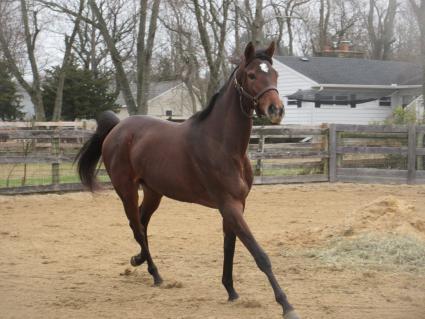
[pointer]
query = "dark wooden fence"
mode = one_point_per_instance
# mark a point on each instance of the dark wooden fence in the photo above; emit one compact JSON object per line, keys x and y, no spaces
{"x":289,"y":154}
{"x":279,"y":154}
{"x":401,"y":148}
{"x":36,"y":160}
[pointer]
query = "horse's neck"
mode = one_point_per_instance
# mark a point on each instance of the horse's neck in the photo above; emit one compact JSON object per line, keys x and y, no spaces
{"x":228,"y":124}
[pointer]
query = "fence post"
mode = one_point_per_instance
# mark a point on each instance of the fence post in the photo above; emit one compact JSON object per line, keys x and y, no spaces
{"x":411,"y":154}
{"x":325,"y":147}
{"x":56,"y":164}
{"x":332,"y":153}
{"x":259,"y":164}
{"x":420,"y":144}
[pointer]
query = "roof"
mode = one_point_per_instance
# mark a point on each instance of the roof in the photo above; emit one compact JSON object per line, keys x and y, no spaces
{"x":329,"y":70}
{"x":155,"y":89}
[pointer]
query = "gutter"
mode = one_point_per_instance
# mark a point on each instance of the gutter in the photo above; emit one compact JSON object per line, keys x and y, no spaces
{"x":356,"y":86}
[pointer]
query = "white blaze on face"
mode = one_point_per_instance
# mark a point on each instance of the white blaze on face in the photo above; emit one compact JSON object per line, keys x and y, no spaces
{"x":264,"y":68}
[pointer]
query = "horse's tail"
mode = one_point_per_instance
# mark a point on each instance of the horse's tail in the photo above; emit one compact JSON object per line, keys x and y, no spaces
{"x":89,"y":155}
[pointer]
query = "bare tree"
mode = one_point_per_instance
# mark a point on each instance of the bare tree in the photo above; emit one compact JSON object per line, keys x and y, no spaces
{"x":69,"y":40}
{"x":211,"y":27}
{"x":324,"y":15}
{"x":286,"y":12}
{"x":147,"y":26}
{"x":144,"y":52}
{"x":8,"y":34}
{"x":184,"y":40}
{"x":418,"y":7}
{"x":380,"y":26}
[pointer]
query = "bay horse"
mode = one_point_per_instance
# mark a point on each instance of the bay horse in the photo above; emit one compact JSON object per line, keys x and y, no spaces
{"x":202,"y":160}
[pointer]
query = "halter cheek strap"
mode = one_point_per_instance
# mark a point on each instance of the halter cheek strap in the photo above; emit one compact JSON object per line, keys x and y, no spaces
{"x":254,"y":99}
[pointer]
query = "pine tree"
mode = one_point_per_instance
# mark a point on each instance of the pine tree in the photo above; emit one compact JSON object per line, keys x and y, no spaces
{"x":83,"y":95}
{"x":10,"y":108}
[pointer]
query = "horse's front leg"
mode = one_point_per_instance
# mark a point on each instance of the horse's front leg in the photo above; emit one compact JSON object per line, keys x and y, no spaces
{"x":233,"y":219}
{"x":229,"y":252}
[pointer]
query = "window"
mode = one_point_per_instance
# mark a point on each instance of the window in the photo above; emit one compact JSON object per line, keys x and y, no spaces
{"x":341,"y":100}
{"x":298,"y":103}
{"x":385,"y":101}
{"x":332,"y":100}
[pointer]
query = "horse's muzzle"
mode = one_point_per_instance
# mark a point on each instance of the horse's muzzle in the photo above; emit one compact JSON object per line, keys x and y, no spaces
{"x":275,"y":113}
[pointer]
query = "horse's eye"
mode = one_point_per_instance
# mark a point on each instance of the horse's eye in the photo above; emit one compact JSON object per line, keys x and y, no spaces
{"x":251,"y":76}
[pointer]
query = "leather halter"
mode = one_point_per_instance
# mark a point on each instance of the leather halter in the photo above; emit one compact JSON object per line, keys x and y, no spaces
{"x":254,"y":99}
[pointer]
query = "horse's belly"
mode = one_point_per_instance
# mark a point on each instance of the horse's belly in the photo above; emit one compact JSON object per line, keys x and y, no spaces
{"x":179,"y":188}
{"x":171,"y":174}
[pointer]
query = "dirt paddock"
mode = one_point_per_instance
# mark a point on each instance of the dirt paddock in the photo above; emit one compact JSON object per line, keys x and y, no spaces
{"x":67,"y":256}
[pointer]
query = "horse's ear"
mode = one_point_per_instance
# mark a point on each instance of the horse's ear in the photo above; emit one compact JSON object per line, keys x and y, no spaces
{"x":270,"y":50}
{"x":249,"y":52}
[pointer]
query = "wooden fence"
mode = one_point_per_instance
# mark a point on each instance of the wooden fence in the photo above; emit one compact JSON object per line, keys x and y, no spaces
{"x":34,"y":160}
{"x":40,"y":160}
{"x":407,"y":148}
{"x":289,"y":154}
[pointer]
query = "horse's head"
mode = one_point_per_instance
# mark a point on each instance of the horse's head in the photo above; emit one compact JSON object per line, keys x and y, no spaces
{"x":257,"y":81}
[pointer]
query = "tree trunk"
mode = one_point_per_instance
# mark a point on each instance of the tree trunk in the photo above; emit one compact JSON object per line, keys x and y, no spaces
{"x":324,"y":15}
{"x":214,"y":63}
{"x":36,"y":95}
{"x":419,"y":10}
{"x":144,"y":53}
{"x":258,"y":24}
{"x":388,"y":36}
{"x":116,"y":59}
{"x":381,"y":37}
{"x":238,"y":49}
{"x":57,"y":109}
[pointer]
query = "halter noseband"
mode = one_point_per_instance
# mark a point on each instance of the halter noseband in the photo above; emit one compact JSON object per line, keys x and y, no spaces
{"x":254,"y":99}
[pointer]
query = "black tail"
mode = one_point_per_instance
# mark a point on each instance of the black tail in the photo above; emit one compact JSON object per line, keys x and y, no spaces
{"x":89,"y":155}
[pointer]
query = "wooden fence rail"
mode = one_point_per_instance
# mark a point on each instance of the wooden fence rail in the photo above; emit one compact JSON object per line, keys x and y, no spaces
{"x":413,"y":151}
{"x":279,"y":154}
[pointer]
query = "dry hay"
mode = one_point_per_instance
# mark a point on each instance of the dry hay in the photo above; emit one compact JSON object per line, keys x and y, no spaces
{"x":387,"y":232}
{"x":385,"y":215}
{"x":394,"y":252}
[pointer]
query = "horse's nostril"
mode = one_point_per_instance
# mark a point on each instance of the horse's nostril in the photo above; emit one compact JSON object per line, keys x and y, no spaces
{"x":281,"y":111}
{"x":272,"y":109}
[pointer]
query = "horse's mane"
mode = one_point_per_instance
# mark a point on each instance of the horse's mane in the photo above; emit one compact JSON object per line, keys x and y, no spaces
{"x":203,"y":114}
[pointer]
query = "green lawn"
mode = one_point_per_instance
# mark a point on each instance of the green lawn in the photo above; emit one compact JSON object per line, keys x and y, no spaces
{"x":37,"y":174}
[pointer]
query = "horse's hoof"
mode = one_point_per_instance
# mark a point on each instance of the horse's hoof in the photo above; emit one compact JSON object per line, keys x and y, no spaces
{"x":137,"y":260}
{"x":233,"y":296}
{"x":157,"y":282}
{"x":291,"y":315}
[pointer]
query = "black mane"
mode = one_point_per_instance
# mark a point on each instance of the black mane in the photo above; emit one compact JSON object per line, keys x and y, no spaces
{"x":203,"y":114}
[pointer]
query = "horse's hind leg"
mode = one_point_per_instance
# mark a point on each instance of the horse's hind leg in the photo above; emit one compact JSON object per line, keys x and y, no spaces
{"x":150,"y":203}
{"x":129,"y":197}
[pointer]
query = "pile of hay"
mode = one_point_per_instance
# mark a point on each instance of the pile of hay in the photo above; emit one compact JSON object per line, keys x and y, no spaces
{"x":388,"y":232}
{"x":385,"y":215}
{"x":394,"y":252}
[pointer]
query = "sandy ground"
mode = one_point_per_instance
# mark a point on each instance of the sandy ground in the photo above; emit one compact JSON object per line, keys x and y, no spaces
{"x":67,"y":256}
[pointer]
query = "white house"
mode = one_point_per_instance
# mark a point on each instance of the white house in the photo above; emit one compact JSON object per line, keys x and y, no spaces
{"x":319,"y":90}
{"x":165,"y":99}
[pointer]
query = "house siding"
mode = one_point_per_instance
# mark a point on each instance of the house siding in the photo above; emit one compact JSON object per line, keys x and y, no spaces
{"x":290,"y":81}
{"x":365,"y":113}
{"x":176,"y":100}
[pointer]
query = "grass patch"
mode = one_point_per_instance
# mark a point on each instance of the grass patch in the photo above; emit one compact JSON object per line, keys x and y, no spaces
{"x":394,"y":252}
{"x":36,"y":174}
